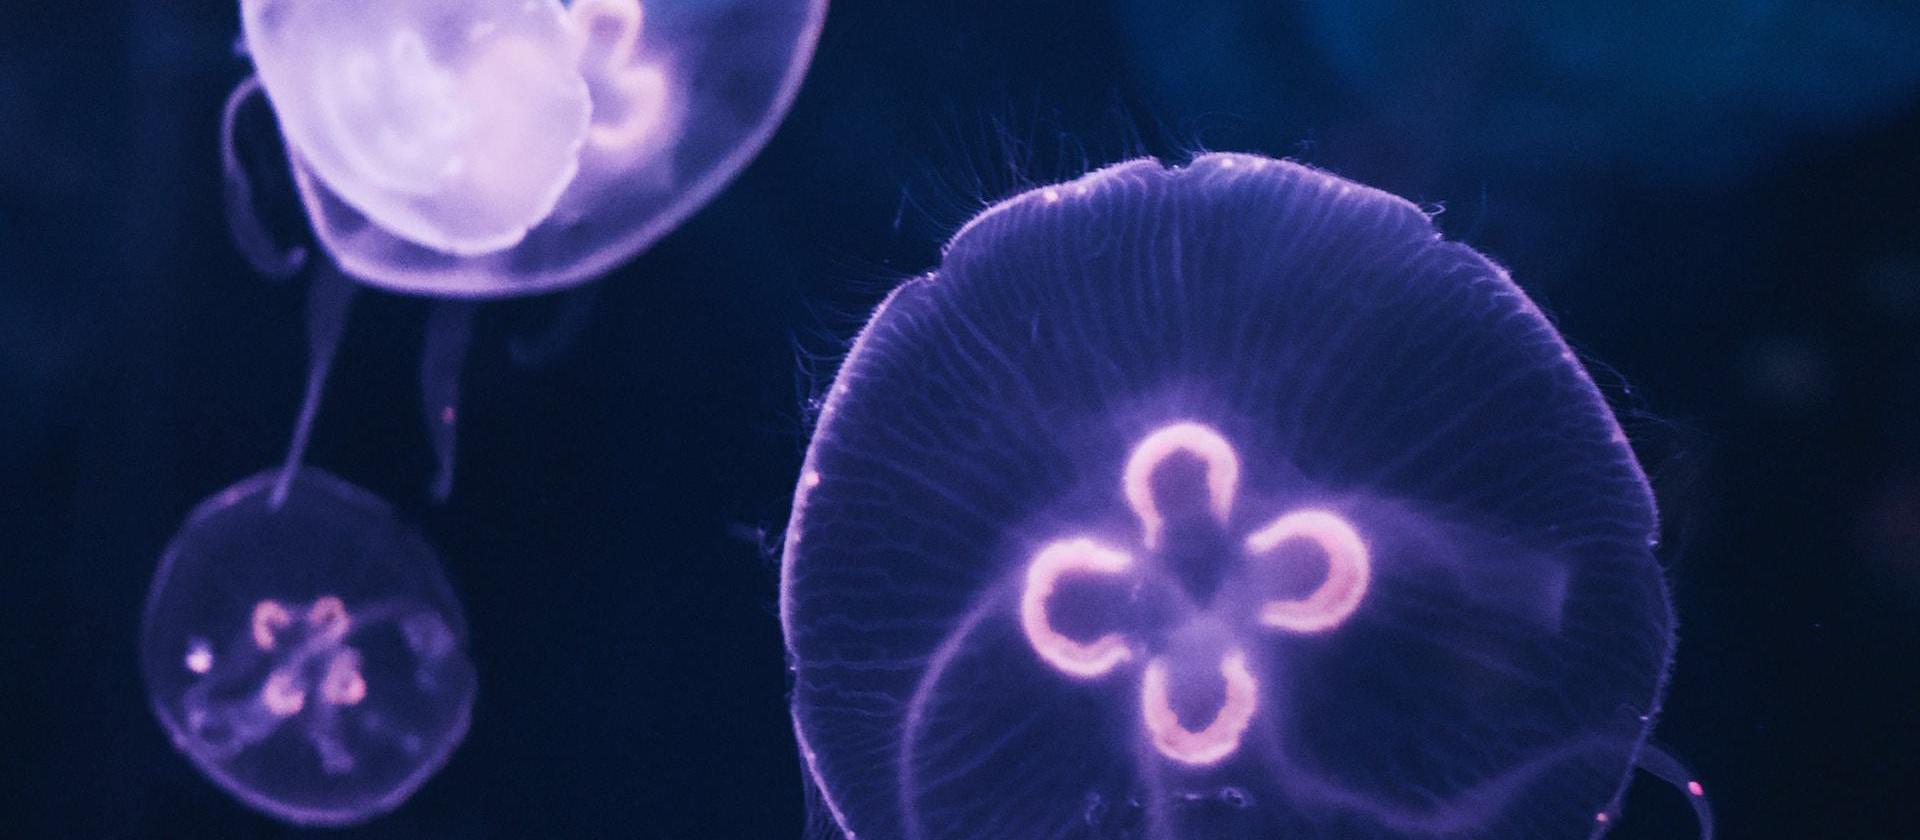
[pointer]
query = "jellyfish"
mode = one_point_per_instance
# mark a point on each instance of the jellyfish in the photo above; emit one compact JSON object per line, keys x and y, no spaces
{"x":498,"y":148}
{"x":311,"y":658}
{"x":1220,"y":501}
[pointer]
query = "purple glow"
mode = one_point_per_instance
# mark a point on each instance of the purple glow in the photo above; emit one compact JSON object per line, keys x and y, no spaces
{"x":1081,"y":556}
{"x":1224,"y":500}
{"x":310,"y":659}
{"x":1327,"y":606}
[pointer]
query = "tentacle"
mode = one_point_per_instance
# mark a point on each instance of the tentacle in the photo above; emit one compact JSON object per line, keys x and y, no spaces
{"x":449,"y":332}
{"x":1664,"y":766}
{"x":243,"y":223}
{"x":329,"y":298}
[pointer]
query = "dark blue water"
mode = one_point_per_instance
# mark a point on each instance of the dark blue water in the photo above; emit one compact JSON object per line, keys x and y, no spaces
{"x":1753,"y":315}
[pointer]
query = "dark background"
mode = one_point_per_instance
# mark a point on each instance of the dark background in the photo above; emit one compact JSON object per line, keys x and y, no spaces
{"x":1715,"y":201}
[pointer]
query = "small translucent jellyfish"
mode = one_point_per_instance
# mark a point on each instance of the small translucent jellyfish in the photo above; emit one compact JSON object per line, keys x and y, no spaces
{"x":310,"y":659}
{"x":1220,"y":501}
{"x":498,"y":148}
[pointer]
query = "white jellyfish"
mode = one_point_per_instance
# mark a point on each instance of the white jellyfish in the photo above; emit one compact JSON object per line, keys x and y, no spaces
{"x":486,"y":149}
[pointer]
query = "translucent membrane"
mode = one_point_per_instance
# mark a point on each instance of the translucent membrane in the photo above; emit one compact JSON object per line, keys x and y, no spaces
{"x":310,"y":658}
{"x":490,"y":148}
{"x":1222,"y":501}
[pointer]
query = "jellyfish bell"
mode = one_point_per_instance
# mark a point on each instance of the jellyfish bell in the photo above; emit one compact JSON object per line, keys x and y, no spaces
{"x":457,"y":125}
{"x":309,"y":659}
{"x":502,"y":148}
{"x":481,"y":149}
{"x":1224,"y":500}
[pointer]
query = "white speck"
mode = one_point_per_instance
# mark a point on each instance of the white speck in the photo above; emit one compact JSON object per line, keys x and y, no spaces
{"x":199,"y":657}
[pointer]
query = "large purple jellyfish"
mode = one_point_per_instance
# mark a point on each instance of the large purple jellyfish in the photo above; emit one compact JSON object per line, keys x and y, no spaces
{"x":1220,"y":501}
{"x":478,"y":149}
{"x":311,"y":659}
